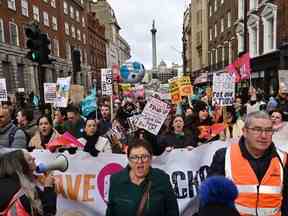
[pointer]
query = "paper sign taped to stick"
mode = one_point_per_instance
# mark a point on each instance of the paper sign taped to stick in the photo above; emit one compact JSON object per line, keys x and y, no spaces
{"x":50,"y":93}
{"x":223,"y":89}
{"x":3,"y":90}
{"x":106,"y":81}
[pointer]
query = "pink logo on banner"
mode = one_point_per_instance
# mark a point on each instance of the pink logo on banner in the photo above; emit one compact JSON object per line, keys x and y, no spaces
{"x":103,"y":175}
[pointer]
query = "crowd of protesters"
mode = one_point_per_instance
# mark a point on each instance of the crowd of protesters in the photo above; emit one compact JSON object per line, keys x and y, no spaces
{"x":26,"y":124}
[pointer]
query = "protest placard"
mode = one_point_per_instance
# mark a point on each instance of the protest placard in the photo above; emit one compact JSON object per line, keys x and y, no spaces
{"x":223,"y":89}
{"x":174,"y":90}
{"x":185,"y":86}
{"x":49,"y":93}
{"x":153,"y":116}
{"x":106,"y":81}
{"x":76,"y":93}
{"x":62,"y":91}
{"x":3,"y":90}
{"x":132,"y":122}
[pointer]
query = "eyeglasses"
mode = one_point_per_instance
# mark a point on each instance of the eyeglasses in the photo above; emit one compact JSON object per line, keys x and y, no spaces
{"x":259,"y":130}
{"x":136,"y":158}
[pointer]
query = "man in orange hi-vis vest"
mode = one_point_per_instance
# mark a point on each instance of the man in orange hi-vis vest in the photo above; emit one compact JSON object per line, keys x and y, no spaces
{"x":256,"y":167}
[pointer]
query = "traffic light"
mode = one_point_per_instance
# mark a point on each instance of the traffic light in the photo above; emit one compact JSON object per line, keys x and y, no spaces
{"x":33,"y":42}
{"x":38,"y":43}
{"x":44,"y":50}
{"x":76,"y":60}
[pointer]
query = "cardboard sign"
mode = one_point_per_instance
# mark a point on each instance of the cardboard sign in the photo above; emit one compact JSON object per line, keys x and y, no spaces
{"x":174,"y":91}
{"x":223,"y":89}
{"x":3,"y":90}
{"x":153,"y":116}
{"x":76,"y":93}
{"x":106,"y":81}
{"x":50,"y":93}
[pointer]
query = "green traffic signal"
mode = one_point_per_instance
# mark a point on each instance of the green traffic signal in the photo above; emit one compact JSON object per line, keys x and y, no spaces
{"x":35,"y":56}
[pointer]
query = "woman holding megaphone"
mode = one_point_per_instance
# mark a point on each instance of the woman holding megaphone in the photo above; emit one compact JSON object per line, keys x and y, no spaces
{"x":19,"y":194}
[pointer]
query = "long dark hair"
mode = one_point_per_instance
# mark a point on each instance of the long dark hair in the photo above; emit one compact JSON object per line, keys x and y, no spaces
{"x":14,"y":163}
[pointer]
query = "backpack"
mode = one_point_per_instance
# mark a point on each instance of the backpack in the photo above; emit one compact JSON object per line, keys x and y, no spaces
{"x":12,"y":135}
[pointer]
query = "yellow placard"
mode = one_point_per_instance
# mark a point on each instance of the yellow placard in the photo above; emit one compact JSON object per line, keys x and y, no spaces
{"x":185,"y":86}
{"x":174,"y":91}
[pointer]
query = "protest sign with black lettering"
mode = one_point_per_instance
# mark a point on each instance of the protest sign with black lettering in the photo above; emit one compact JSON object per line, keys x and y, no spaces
{"x":223,"y":89}
{"x":3,"y":90}
{"x":153,"y":116}
{"x":49,"y":92}
{"x":106,"y":81}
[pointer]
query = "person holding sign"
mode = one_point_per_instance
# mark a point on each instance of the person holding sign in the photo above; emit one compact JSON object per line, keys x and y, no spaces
{"x":140,"y":189}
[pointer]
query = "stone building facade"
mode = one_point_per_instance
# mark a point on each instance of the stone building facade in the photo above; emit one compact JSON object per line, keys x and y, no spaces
{"x":65,"y":24}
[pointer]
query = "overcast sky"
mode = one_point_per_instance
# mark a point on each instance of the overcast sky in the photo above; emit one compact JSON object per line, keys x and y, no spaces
{"x":135,"y":18}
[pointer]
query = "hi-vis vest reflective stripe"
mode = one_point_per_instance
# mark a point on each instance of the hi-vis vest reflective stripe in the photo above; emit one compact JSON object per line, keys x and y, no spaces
{"x":15,"y":207}
{"x":263,"y":199}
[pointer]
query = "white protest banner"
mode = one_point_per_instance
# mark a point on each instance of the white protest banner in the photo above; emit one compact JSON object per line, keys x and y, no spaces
{"x":3,"y":90}
{"x":106,"y":81}
{"x":50,"y":92}
{"x":223,"y":89}
{"x":62,"y":91}
{"x":83,"y":188}
{"x":153,"y":115}
{"x":132,"y":121}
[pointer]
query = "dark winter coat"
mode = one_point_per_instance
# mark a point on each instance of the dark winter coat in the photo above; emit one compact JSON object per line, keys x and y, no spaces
{"x":124,"y":196}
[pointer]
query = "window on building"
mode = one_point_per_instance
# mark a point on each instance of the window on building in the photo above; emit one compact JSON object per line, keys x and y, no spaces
{"x":14,"y":36}
{"x":210,"y":10}
{"x":84,"y":38}
{"x":71,"y":12}
{"x":215,"y":30}
{"x":240,"y":40}
{"x":54,"y":23}
{"x":65,"y":5}
{"x":2,"y":37}
{"x":230,"y":52}
{"x":210,"y":34}
{"x":66,"y":26}
{"x":53,"y":3}
{"x":83,"y":22}
{"x":222,"y":1}
{"x":229,"y":21}
{"x":12,"y":4}
{"x":24,"y":8}
{"x":223,"y":55}
{"x":68,"y":50}
{"x":45,"y":18}
{"x":78,"y":34}
{"x":222,"y":24}
{"x":253,"y":4}
{"x":73,"y":33}
{"x":36,"y":13}
{"x":55,"y":47}
{"x":46,"y":1}
{"x":216,"y":56}
{"x":240,"y":9}
{"x":253,"y":41}
{"x":215,"y":5}
{"x":269,"y":17}
{"x":77,"y":15}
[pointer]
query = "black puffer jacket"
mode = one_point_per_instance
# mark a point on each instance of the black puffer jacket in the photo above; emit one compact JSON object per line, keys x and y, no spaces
{"x":10,"y":186}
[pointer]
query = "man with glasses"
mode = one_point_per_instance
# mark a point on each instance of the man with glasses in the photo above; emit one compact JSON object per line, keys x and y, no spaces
{"x":256,"y":167}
